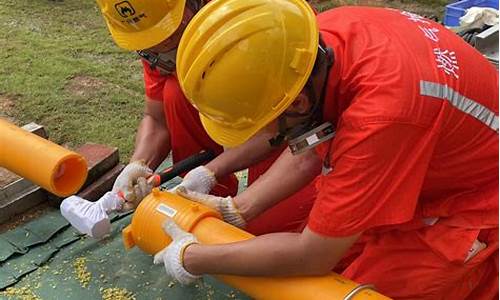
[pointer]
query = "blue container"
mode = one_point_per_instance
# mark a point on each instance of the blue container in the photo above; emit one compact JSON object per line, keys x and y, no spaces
{"x":455,"y":10}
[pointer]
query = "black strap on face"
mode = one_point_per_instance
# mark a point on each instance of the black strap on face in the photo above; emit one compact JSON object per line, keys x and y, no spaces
{"x":316,"y":94}
{"x":155,"y":61}
{"x":317,"y":108}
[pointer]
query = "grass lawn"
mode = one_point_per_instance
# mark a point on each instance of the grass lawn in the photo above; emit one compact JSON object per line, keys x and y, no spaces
{"x":61,"y":69}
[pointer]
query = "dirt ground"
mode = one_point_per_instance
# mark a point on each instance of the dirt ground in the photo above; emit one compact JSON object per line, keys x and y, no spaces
{"x":83,"y":85}
{"x":7,"y":106}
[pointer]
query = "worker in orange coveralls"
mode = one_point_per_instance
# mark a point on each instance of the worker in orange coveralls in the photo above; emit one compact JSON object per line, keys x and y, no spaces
{"x":404,"y":116}
{"x":171,"y":123}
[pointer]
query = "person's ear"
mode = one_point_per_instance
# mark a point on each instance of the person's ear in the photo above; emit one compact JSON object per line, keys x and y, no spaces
{"x":301,"y":104}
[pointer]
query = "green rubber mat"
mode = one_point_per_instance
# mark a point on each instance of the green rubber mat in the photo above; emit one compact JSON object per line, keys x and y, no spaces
{"x":21,"y":239}
{"x":58,"y":263}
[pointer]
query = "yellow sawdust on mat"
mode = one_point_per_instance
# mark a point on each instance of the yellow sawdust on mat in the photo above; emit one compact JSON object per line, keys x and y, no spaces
{"x":117,"y":294}
{"x":22,"y":293}
{"x":82,"y":274}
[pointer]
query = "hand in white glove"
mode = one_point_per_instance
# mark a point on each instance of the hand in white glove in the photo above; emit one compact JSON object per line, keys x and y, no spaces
{"x":199,"y":179}
{"x":172,"y":255}
{"x":224,"y":205}
{"x":132,"y":183}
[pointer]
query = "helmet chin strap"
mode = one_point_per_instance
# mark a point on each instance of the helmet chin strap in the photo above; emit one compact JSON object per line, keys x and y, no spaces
{"x":312,"y":138}
{"x":309,"y":132}
{"x":164,"y":62}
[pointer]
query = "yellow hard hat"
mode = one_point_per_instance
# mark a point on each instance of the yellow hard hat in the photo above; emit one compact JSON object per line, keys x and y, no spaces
{"x":139,"y":24}
{"x":241,"y":63}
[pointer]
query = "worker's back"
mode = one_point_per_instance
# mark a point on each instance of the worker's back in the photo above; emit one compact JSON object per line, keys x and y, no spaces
{"x":423,"y":90}
{"x":415,"y":158}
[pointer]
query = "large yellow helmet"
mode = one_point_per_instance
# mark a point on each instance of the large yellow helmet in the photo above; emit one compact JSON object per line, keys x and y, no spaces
{"x":141,"y":24}
{"x":241,"y":63}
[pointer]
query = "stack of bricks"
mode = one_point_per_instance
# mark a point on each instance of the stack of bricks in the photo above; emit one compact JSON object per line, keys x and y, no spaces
{"x":104,"y":166}
{"x":17,"y":195}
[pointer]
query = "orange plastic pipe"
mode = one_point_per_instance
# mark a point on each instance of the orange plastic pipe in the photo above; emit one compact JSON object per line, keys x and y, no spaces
{"x":146,"y":232}
{"x":56,"y":169}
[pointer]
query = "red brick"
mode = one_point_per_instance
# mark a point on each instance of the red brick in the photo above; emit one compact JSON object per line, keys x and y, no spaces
{"x":101,"y":185}
{"x":100,"y":159}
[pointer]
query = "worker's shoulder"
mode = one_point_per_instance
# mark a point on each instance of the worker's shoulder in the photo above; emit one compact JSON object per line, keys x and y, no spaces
{"x":354,"y":14}
{"x":360,"y":38}
{"x":392,"y":98}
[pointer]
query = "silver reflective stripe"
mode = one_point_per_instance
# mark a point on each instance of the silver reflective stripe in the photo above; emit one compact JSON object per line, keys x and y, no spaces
{"x":468,"y":106}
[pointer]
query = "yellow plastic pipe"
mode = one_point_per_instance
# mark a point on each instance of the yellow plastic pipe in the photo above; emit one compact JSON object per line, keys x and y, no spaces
{"x":145,"y":231}
{"x":56,"y":169}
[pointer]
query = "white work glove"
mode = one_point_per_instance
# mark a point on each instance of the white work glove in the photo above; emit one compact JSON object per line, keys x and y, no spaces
{"x":172,"y":256}
{"x":91,"y":218}
{"x":199,"y":179}
{"x":110,"y":202}
{"x":224,"y":205}
{"x":132,"y":184}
